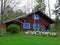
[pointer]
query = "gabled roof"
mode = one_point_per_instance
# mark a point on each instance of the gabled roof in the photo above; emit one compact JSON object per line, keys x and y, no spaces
{"x":36,"y":12}
{"x":45,"y":17}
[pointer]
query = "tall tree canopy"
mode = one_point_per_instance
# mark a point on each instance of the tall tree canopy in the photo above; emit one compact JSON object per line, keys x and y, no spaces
{"x":57,"y":20}
{"x":40,"y":6}
{"x":57,"y":13}
{"x":6,"y":12}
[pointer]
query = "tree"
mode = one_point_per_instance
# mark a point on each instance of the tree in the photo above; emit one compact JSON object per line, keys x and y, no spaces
{"x":19,"y":13}
{"x":57,"y":13}
{"x":1,"y":18}
{"x":5,"y":11}
{"x":57,"y":20}
{"x":49,"y":8}
{"x":40,"y":6}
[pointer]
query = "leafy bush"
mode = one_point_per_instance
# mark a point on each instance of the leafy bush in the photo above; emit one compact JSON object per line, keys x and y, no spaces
{"x":53,"y":28}
{"x":13,"y":28}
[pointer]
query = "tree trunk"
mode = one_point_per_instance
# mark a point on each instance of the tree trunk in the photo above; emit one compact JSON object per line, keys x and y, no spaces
{"x":1,"y":17}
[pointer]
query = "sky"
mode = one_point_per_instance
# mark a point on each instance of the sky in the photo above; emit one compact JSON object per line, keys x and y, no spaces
{"x":31,"y":3}
{"x":52,"y":7}
{"x":27,"y":5}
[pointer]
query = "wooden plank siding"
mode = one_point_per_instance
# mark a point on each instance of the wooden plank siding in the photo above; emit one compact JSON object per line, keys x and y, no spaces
{"x":32,"y":21}
{"x":44,"y":21}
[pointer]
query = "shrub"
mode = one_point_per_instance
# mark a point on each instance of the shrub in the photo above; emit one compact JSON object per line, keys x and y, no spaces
{"x":13,"y":28}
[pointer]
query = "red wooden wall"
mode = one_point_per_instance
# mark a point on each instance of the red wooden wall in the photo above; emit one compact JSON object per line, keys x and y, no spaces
{"x":29,"y":19}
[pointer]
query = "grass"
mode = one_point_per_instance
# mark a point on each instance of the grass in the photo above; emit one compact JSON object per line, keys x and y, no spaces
{"x":21,"y":39}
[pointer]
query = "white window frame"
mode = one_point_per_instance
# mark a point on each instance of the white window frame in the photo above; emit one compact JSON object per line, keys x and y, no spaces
{"x":25,"y":27}
{"x":38,"y":26}
{"x":35,"y":16}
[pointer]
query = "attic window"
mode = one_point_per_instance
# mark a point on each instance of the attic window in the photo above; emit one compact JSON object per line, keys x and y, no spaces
{"x":36,"y":16}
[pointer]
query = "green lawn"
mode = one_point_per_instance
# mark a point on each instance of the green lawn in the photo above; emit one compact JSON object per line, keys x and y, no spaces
{"x":21,"y":39}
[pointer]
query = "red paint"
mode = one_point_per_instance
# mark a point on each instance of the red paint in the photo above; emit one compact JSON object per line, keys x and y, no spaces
{"x":4,"y":26}
{"x":29,"y":19}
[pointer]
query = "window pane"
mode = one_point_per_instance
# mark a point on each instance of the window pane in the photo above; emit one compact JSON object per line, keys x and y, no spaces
{"x":35,"y":16}
{"x":32,"y":16}
{"x":35,"y":26}
{"x":26,"y":25}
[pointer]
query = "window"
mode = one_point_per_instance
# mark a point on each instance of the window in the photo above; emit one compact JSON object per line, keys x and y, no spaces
{"x":35,"y":26}
{"x":35,"y":16}
{"x":26,"y":25}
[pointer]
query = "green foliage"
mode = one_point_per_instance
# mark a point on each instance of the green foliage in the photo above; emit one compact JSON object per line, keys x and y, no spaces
{"x":10,"y":14}
{"x":53,"y":28}
{"x":57,"y":20}
{"x":39,"y":1}
{"x":14,"y":28}
{"x":57,"y":23}
{"x":21,"y":39}
{"x":40,"y":6}
{"x":4,"y":30}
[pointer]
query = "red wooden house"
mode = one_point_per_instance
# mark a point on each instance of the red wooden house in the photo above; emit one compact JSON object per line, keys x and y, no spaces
{"x":33,"y":21}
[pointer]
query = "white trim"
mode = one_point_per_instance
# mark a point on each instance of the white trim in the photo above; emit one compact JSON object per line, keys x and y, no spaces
{"x":35,"y":16}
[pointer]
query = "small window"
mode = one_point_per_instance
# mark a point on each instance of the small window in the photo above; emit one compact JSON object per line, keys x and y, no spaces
{"x":26,"y":25}
{"x":35,"y":16}
{"x":36,"y":26}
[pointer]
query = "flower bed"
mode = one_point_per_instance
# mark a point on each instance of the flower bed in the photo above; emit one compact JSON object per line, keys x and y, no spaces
{"x":40,"y":33}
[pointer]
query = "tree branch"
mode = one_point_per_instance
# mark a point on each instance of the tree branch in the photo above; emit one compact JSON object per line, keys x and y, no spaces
{"x":9,"y":12}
